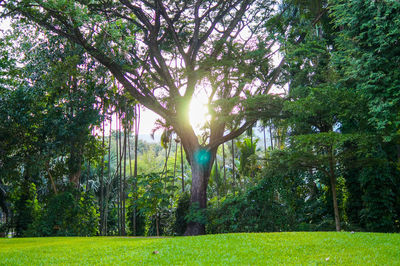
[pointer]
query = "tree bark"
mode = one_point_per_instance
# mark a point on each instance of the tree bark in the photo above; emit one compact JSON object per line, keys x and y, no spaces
{"x":130,"y":169}
{"x":270,"y":136}
{"x":223,"y":164}
{"x":176,"y":157}
{"x":157,"y":225}
{"x":75,"y":166}
{"x":183,"y":178}
{"x":135,"y":173}
{"x":88,"y":175}
{"x":265,"y":142}
{"x":102,"y":178}
{"x":124,"y":186}
{"x":53,"y":184}
{"x":200,"y":175}
{"x":105,"y":217}
{"x":167,"y":153}
{"x":233,"y":163}
{"x":118,"y":158}
{"x":335,"y":205}
{"x":333,"y":187}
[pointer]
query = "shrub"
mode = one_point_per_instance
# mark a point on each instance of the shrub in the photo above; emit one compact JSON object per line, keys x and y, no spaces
{"x":181,"y":211}
{"x":69,"y":213}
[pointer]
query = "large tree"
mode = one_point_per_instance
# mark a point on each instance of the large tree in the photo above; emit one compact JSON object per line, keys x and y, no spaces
{"x":164,"y":52}
{"x":369,"y":55}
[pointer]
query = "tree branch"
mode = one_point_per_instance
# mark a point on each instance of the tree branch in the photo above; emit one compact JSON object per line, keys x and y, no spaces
{"x":231,"y":135}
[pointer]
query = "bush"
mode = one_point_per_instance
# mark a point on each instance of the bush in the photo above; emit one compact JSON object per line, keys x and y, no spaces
{"x":70,"y":213}
{"x":4,"y":228}
{"x":164,"y":223}
{"x":26,"y":208}
{"x":140,"y":222}
{"x":257,"y":210}
{"x":181,"y":212}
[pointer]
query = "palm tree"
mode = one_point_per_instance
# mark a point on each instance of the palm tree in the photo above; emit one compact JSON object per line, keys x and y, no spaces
{"x":165,"y":140}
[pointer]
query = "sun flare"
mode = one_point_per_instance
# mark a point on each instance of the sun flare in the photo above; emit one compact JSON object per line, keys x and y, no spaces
{"x":198,"y":112}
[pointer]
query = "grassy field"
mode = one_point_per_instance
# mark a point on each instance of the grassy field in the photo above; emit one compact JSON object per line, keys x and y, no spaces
{"x":233,"y":249}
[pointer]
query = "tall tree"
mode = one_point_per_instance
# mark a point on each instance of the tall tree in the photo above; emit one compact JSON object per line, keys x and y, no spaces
{"x":369,"y":56}
{"x":137,"y":41}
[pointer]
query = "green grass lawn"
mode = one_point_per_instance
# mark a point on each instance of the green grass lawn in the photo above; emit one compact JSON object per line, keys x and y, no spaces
{"x":244,"y":249}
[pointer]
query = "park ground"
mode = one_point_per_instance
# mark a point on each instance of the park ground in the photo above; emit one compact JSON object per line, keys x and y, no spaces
{"x":344,"y":248}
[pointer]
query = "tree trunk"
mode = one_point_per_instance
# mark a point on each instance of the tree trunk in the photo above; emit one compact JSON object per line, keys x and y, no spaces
{"x":233,"y":164}
{"x":53,"y":184}
{"x":270,"y":136}
{"x":167,"y":153}
{"x":102,"y":179}
{"x":124,"y":187}
{"x":157,"y":225}
{"x":217,"y":181}
{"x":106,"y":199}
{"x":130,"y":165}
{"x":335,"y":205}
{"x":176,"y":157}
{"x":201,"y":170}
{"x":75,"y":166}
{"x":117,"y":172}
{"x":265,"y":142}
{"x":333,"y":187}
{"x":135,"y":176}
{"x":223,"y":164}
{"x":183,"y":179}
{"x":88,"y":175}
{"x":105,"y":217}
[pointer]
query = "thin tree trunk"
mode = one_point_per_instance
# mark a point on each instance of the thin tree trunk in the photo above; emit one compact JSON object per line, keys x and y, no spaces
{"x":167,"y":152}
{"x":233,"y":163}
{"x":106,"y":199}
{"x":265,"y":142}
{"x":123,"y":186}
{"x":88,"y":175}
{"x":183,"y":179}
{"x":137,"y":127}
{"x":270,"y":136}
{"x":130,"y":159}
{"x":102,"y":180}
{"x":75,"y":166}
{"x":217,"y":182}
{"x":118,"y":164}
{"x":53,"y":185}
{"x":335,"y":204}
{"x":333,"y":187}
{"x":176,"y":157}
{"x":251,"y":136}
{"x":223,"y":163}
{"x":252,"y":171}
{"x":109,"y":179}
{"x":157,"y":225}
{"x":129,"y":154}
{"x":121,"y":153}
